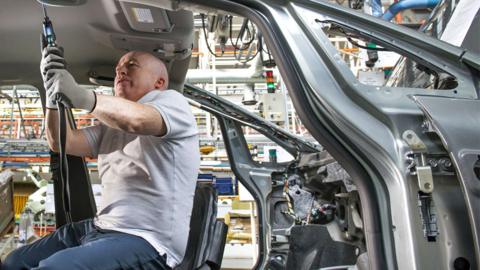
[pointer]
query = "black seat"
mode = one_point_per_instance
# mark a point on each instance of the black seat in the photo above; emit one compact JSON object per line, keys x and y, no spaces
{"x":206,"y":241}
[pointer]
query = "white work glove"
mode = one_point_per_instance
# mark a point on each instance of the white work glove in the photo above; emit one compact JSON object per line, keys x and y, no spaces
{"x":62,"y":83}
{"x":52,"y":58}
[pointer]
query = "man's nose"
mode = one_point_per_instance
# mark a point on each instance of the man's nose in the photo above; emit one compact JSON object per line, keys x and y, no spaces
{"x":121,"y":71}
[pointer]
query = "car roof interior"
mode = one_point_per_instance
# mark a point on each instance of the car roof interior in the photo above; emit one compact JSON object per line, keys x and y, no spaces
{"x":94,"y":35}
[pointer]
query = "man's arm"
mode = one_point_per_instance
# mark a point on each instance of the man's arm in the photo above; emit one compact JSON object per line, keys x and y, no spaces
{"x":115,"y":112}
{"x":77,"y":144}
{"x":129,"y":116}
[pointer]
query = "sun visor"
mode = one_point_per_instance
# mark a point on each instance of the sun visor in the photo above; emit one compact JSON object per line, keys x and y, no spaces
{"x":62,"y":3}
{"x":146,"y":18}
{"x":102,"y":75}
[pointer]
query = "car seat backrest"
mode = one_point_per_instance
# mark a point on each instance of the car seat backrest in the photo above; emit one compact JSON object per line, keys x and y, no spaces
{"x":206,"y":240}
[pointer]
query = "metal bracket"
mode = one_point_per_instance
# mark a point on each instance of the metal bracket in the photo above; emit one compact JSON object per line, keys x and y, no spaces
{"x":425,"y":178}
{"x":423,"y":170}
{"x":414,"y":141}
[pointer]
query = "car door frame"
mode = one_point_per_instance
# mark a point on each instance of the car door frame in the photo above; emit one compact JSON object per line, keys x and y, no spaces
{"x":372,"y":157}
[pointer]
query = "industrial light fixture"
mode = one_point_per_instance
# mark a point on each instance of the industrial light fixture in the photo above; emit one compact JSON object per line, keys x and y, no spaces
{"x":270,"y":81}
{"x":145,"y":17}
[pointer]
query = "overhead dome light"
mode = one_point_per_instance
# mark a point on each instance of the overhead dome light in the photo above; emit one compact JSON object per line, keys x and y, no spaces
{"x":62,"y":3}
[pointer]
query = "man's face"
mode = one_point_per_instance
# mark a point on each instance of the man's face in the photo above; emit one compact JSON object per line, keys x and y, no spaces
{"x":135,"y":75}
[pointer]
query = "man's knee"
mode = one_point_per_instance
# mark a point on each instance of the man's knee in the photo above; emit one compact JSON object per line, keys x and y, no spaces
{"x":14,"y":261}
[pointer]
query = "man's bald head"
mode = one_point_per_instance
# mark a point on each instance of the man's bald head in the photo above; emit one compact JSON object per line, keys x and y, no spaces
{"x":157,"y":66}
{"x":138,"y":73}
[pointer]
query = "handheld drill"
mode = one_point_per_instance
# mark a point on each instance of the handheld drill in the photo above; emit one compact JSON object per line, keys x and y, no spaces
{"x":49,"y":40}
{"x":48,"y":33}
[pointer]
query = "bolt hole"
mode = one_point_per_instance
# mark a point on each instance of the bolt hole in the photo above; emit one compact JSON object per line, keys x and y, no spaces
{"x":455,"y":91}
{"x":427,"y":186}
{"x":461,"y":263}
{"x":409,"y":136}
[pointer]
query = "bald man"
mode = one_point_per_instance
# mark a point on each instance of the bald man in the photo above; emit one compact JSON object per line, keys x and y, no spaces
{"x":148,"y":160}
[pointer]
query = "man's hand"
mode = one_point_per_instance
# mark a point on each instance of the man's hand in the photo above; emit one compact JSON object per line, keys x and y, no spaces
{"x":62,"y":85}
{"x":52,"y":58}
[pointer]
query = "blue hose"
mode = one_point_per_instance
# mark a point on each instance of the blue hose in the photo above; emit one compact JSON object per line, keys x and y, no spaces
{"x":407,"y":4}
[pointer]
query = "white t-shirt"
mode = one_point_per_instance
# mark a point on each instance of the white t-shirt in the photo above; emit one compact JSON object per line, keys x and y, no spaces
{"x":149,"y":182}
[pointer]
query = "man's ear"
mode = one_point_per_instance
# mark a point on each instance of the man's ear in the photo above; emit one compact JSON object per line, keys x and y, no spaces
{"x":160,"y":84}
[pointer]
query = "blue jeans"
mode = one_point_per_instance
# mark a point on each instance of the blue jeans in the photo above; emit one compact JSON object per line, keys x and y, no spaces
{"x":82,"y":245}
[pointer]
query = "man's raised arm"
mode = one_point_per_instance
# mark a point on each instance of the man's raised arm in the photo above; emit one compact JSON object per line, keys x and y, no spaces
{"x":52,"y":58}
